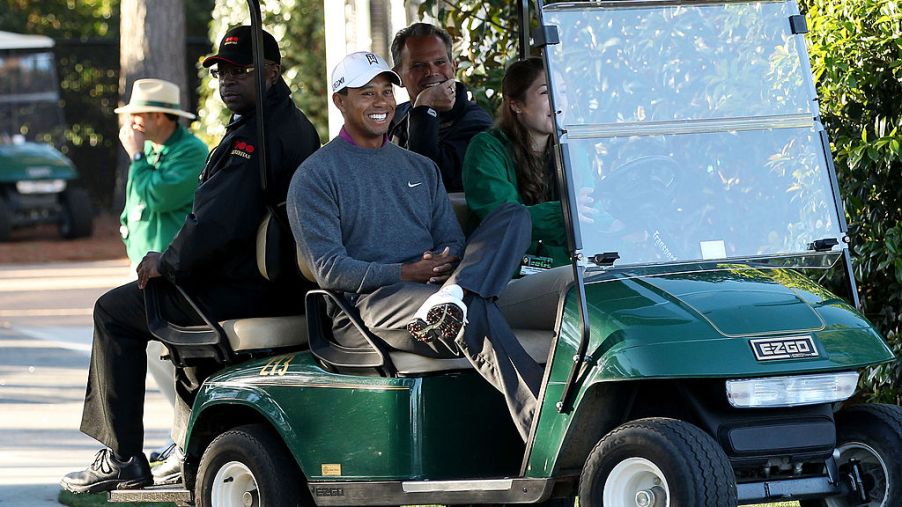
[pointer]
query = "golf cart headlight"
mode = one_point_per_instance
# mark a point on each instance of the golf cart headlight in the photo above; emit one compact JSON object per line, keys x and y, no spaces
{"x":41,"y":186}
{"x":791,"y":391}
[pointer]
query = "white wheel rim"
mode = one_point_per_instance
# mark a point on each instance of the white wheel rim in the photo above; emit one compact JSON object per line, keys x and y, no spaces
{"x":234,"y":486}
{"x":873,"y":469}
{"x":636,"y":482}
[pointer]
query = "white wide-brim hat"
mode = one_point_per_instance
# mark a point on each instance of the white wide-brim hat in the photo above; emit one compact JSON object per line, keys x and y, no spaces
{"x":154,"y":96}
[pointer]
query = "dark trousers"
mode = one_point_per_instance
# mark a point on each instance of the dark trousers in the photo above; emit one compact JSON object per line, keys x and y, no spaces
{"x":492,"y":255}
{"x":114,"y":401}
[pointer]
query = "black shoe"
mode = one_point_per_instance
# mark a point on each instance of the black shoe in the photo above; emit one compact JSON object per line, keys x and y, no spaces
{"x":162,"y":454}
{"x":169,"y":471}
{"x":107,"y":473}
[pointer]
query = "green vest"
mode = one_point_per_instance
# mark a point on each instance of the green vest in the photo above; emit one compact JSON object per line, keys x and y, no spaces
{"x":490,"y":180}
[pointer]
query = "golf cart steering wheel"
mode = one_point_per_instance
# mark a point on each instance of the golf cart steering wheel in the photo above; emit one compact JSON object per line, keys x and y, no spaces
{"x":644,"y":193}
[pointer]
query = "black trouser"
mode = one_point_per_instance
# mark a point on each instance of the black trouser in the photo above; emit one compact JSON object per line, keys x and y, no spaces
{"x":114,"y":400}
{"x":492,"y":255}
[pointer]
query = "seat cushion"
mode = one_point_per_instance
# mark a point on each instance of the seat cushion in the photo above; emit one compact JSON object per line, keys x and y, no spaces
{"x":536,"y":342}
{"x":266,"y":332}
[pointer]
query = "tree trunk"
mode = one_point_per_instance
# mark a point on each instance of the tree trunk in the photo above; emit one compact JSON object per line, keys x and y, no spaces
{"x":152,"y":45}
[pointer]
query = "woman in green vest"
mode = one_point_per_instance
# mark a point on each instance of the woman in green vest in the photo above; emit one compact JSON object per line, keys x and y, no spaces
{"x":513,"y":162}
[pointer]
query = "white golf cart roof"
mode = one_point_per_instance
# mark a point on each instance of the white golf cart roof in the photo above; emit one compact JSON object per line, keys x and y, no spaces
{"x":10,"y":40}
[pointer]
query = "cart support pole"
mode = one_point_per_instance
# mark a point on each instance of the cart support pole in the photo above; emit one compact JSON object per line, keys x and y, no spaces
{"x":523,"y":17}
{"x":260,"y":89}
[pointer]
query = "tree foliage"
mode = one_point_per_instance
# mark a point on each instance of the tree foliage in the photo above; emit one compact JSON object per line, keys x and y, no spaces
{"x":856,"y":54}
{"x":298,"y":26}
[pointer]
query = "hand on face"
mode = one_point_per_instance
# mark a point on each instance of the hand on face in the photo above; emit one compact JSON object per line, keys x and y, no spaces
{"x":428,"y":73}
{"x":438,"y":96}
{"x":132,"y":135}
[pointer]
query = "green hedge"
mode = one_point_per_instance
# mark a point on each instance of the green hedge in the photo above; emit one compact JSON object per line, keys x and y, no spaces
{"x":856,"y":56}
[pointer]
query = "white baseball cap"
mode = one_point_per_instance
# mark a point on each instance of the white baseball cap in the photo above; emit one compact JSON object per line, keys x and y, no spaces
{"x":358,"y":69}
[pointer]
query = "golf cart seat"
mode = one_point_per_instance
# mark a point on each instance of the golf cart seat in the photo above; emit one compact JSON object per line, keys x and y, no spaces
{"x":226,"y":340}
{"x":536,"y":336}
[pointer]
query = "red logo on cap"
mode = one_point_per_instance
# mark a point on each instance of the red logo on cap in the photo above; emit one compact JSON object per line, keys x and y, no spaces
{"x":230,"y":40}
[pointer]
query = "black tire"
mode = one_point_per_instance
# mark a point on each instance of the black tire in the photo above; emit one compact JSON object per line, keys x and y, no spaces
{"x":6,"y":220}
{"x":873,"y":435}
{"x":258,"y":461}
{"x":76,"y":215}
{"x":666,"y":457}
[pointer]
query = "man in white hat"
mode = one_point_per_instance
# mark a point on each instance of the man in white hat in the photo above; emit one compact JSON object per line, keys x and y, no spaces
{"x":166,"y":160}
{"x":373,"y":221}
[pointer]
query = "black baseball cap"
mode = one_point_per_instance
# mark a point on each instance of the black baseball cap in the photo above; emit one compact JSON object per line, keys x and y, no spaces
{"x":236,"y":48}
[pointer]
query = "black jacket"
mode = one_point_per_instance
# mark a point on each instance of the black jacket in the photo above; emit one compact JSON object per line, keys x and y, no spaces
{"x":443,"y":138}
{"x":213,"y":256}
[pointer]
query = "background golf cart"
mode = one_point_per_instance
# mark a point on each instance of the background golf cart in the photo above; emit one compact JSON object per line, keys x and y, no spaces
{"x":35,"y":178}
{"x":661,"y":339}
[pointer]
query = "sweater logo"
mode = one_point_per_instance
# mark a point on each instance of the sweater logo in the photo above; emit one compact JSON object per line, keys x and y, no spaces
{"x":414,"y":185}
{"x":242,"y":149}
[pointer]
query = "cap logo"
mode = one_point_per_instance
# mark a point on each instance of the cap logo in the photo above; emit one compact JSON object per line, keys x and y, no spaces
{"x":372,"y":59}
{"x":337,"y":84}
{"x":230,"y":40}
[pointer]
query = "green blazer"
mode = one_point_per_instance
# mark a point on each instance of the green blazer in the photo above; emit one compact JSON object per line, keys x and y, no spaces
{"x":490,"y":180}
{"x":160,"y":193}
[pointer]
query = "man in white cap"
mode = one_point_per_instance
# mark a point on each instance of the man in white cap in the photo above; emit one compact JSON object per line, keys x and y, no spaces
{"x":166,"y":160}
{"x":213,"y":258}
{"x":373,"y":221}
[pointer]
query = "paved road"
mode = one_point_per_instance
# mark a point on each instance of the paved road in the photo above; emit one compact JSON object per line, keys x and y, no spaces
{"x":45,"y":343}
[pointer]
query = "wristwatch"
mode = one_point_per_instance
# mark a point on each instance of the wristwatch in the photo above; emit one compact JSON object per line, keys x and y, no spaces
{"x":138,"y":156}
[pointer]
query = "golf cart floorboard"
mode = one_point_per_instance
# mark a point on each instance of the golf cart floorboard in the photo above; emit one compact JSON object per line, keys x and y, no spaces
{"x":171,"y":493}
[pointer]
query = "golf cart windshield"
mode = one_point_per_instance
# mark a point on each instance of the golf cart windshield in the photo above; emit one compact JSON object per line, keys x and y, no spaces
{"x":690,"y":131}
{"x":29,"y":95}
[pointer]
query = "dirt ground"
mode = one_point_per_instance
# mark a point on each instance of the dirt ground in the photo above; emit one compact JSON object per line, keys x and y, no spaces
{"x":43,"y":244}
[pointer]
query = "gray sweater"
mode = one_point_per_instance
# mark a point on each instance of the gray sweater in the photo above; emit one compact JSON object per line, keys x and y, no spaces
{"x":358,"y":213}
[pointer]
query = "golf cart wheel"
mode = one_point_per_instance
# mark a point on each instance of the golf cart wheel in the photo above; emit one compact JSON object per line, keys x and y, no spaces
{"x":248,"y":466}
{"x":872,"y":435}
{"x":6,"y":225}
{"x":76,"y":216}
{"x":657,"y":462}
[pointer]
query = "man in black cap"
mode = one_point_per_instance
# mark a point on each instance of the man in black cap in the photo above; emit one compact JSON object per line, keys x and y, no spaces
{"x":212,"y":257}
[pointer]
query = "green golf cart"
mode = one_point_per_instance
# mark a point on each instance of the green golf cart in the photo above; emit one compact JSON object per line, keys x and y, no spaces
{"x":35,"y":178}
{"x":690,"y":364}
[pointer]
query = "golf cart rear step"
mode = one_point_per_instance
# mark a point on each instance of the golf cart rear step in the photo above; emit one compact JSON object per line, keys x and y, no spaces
{"x":177,"y":494}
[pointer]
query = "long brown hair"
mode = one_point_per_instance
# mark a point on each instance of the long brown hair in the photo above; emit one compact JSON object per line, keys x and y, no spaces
{"x":532,"y":178}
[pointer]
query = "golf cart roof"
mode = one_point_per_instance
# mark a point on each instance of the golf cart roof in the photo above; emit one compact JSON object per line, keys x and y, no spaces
{"x":10,"y":40}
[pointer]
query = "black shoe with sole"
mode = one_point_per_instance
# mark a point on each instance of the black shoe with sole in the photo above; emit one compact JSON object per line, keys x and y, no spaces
{"x":107,"y":473}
